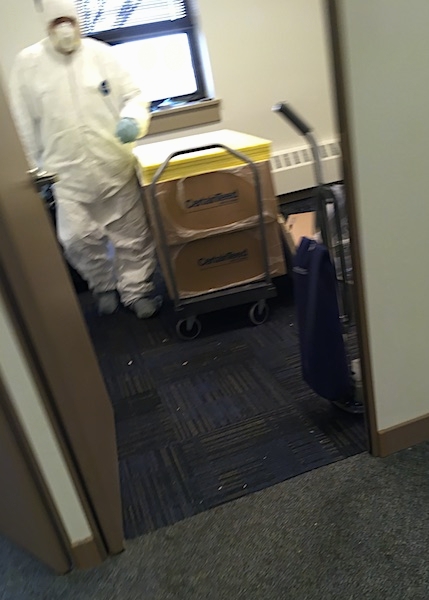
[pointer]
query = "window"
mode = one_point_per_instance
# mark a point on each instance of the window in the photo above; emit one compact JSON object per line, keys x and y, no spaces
{"x":157,"y":40}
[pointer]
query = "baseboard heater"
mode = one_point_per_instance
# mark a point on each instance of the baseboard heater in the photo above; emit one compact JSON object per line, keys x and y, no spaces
{"x":292,"y":168}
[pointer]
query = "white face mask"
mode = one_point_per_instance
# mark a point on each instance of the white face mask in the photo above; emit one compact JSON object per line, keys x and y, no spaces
{"x":65,"y":38}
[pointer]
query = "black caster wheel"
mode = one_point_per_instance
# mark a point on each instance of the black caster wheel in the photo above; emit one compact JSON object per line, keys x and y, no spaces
{"x":188,"y":329}
{"x":259,"y":312}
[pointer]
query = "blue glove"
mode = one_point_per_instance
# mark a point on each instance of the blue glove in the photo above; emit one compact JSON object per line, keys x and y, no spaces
{"x":127,"y":130}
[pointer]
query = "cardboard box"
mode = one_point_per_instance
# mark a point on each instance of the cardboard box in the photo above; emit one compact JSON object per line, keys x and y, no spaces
{"x":217,"y":262}
{"x":200,"y":206}
{"x":297,"y":226}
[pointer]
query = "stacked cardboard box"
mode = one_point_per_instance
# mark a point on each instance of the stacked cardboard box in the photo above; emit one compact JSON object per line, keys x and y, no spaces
{"x":212,"y":228}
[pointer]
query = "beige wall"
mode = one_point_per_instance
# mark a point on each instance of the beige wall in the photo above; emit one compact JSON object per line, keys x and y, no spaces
{"x":263,"y":52}
{"x":387,"y":45}
{"x":260,"y":52}
{"x":20,"y":26}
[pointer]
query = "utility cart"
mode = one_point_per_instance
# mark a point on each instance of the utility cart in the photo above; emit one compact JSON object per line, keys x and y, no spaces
{"x":253,"y":293}
{"x":322,"y":284}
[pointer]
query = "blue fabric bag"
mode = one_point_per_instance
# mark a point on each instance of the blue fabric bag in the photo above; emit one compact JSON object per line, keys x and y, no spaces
{"x":324,"y":361}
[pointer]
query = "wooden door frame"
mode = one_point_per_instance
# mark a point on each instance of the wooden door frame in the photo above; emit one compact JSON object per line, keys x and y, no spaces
{"x":90,"y":553}
{"x":54,"y":334}
{"x":46,"y":522}
{"x":335,"y":31}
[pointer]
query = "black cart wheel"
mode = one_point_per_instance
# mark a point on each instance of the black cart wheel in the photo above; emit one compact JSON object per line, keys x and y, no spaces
{"x":259,"y":312}
{"x":188,"y":329}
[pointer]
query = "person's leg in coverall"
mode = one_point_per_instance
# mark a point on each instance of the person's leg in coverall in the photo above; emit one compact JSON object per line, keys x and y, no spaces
{"x":110,"y":254}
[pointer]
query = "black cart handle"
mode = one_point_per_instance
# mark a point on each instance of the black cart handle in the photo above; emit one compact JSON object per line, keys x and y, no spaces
{"x":291,"y":116}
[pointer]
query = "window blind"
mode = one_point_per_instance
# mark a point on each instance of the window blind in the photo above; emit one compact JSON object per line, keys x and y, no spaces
{"x":105,"y":15}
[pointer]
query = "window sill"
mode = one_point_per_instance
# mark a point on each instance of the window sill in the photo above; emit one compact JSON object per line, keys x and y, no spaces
{"x":193,"y":114}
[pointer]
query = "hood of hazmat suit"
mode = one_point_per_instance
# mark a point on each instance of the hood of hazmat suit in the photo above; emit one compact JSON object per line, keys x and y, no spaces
{"x":65,"y":36}
{"x":55,"y":9}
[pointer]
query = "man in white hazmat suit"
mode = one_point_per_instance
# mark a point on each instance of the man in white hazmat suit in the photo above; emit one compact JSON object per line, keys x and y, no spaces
{"x":78,"y":111}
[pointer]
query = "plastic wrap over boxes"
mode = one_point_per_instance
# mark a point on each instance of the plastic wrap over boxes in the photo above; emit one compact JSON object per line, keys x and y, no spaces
{"x":210,"y":217}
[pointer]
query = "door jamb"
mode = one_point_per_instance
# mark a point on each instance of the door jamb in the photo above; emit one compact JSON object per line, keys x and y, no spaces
{"x":89,"y":553}
{"x":335,"y":27}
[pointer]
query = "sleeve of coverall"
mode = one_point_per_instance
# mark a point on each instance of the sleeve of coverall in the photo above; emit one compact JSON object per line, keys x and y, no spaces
{"x":135,"y":105}
{"x":21,"y":111}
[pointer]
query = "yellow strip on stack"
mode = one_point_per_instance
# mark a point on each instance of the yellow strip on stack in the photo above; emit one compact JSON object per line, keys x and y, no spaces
{"x":151,"y":156}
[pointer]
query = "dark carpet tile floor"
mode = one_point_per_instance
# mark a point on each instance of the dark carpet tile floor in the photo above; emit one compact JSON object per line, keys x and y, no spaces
{"x":204,"y":422}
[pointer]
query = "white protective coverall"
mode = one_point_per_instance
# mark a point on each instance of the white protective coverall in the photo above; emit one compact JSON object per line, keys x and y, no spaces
{"x":67,"y":107}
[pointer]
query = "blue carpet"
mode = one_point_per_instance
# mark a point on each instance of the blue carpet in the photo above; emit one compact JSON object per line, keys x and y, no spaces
{"x":205,"y":422}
